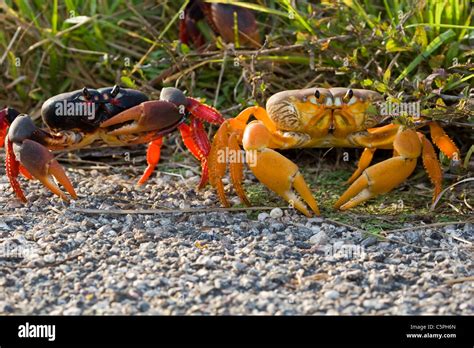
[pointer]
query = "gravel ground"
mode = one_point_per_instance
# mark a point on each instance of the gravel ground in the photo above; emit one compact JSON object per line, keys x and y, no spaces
{"x":55,"y":260}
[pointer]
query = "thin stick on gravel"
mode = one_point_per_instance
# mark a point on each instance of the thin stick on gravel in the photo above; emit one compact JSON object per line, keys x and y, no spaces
{"x":164,"y":211}
{"x":459,"y":280}
{"x":438,"y":224}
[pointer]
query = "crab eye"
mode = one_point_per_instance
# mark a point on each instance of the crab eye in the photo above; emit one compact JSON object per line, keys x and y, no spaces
{"x":115,"y":91}
{"x":86,"y":94}
{"x":347,"y":98}
{"x":319,"y":97}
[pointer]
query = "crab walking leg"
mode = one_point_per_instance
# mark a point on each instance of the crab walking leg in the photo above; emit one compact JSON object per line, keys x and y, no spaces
{"x":218,"y":162}
{"x":192,"y":146}
{"x":204,"y":145}
{"x":444,"y":142}
{"x":200,"y":136}
{"x":152,"y":158}
{"x":220,"y":148}
{"x":432,"y":165}
{"x":204,"y":112}
{"x":256,"y":141}
{"x":384,"y":176}
{"x":25,"y":173}
{"x":12,"y":167}
{"x":237,"y":169}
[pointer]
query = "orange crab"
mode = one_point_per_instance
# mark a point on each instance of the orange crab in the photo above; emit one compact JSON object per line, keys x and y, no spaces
{"x":323,"y":118}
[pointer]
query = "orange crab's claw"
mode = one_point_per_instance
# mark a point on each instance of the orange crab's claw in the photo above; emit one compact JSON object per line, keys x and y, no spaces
{"x":384,"y":176}
{"x":27,"y":155}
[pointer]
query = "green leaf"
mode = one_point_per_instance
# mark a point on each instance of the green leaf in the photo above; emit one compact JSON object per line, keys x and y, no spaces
{"x":420,"y":37}
{"x":433,"y":46}
{"x":367,"y":83}
{"x":392,"y":46}
{"x":127,"y":81}
{"x":386,"y":76}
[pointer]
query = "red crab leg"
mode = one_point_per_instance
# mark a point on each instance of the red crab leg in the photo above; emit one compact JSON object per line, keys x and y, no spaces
{"x":204,"y":112}
{"x":202,"y":141}
{"x":12,"y":169}
{"x":200,"y":136}
{"x":193,"y":147}
{"x":152,"y":158}
{"x":3,"y":126}
{"x":26,"y":173}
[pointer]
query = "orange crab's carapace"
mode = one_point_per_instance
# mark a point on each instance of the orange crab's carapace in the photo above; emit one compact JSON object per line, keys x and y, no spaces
{"x":323,"y":118}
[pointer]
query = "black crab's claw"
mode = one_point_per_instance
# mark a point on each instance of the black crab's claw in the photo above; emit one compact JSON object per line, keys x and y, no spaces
{"x":26,"y":153}
{"x":156,"y":116}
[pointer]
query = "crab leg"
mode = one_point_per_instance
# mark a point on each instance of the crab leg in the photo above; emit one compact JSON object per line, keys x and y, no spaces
{"x":200,"y":136}
{"x":237,"y":169}
{"x":226,"y":141}
{"x":152,"y":158}
{"x":3,"y":126}
{"x":202,"y":142}
{"x":204,"y":112}
{"x":198,"y":152}
{"x":444,"y":142}
{"x":431,"y":164}
{"x":384,"y":176}
{"x":218,"y":165}
{"x":12,"y":167}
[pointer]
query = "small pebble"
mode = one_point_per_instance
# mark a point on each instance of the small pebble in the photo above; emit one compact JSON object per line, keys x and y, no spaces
{"x":276,"y":213}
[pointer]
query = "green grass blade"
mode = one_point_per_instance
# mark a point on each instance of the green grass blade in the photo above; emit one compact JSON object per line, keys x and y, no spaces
{"x":250,"y":6}
{"x":54,"y":18}
{"x":171,"y":22}
{"x":457,"y":83}
{"x":450,"y":26}
{"x":299,"y":18}
{"x":435,"y":44}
